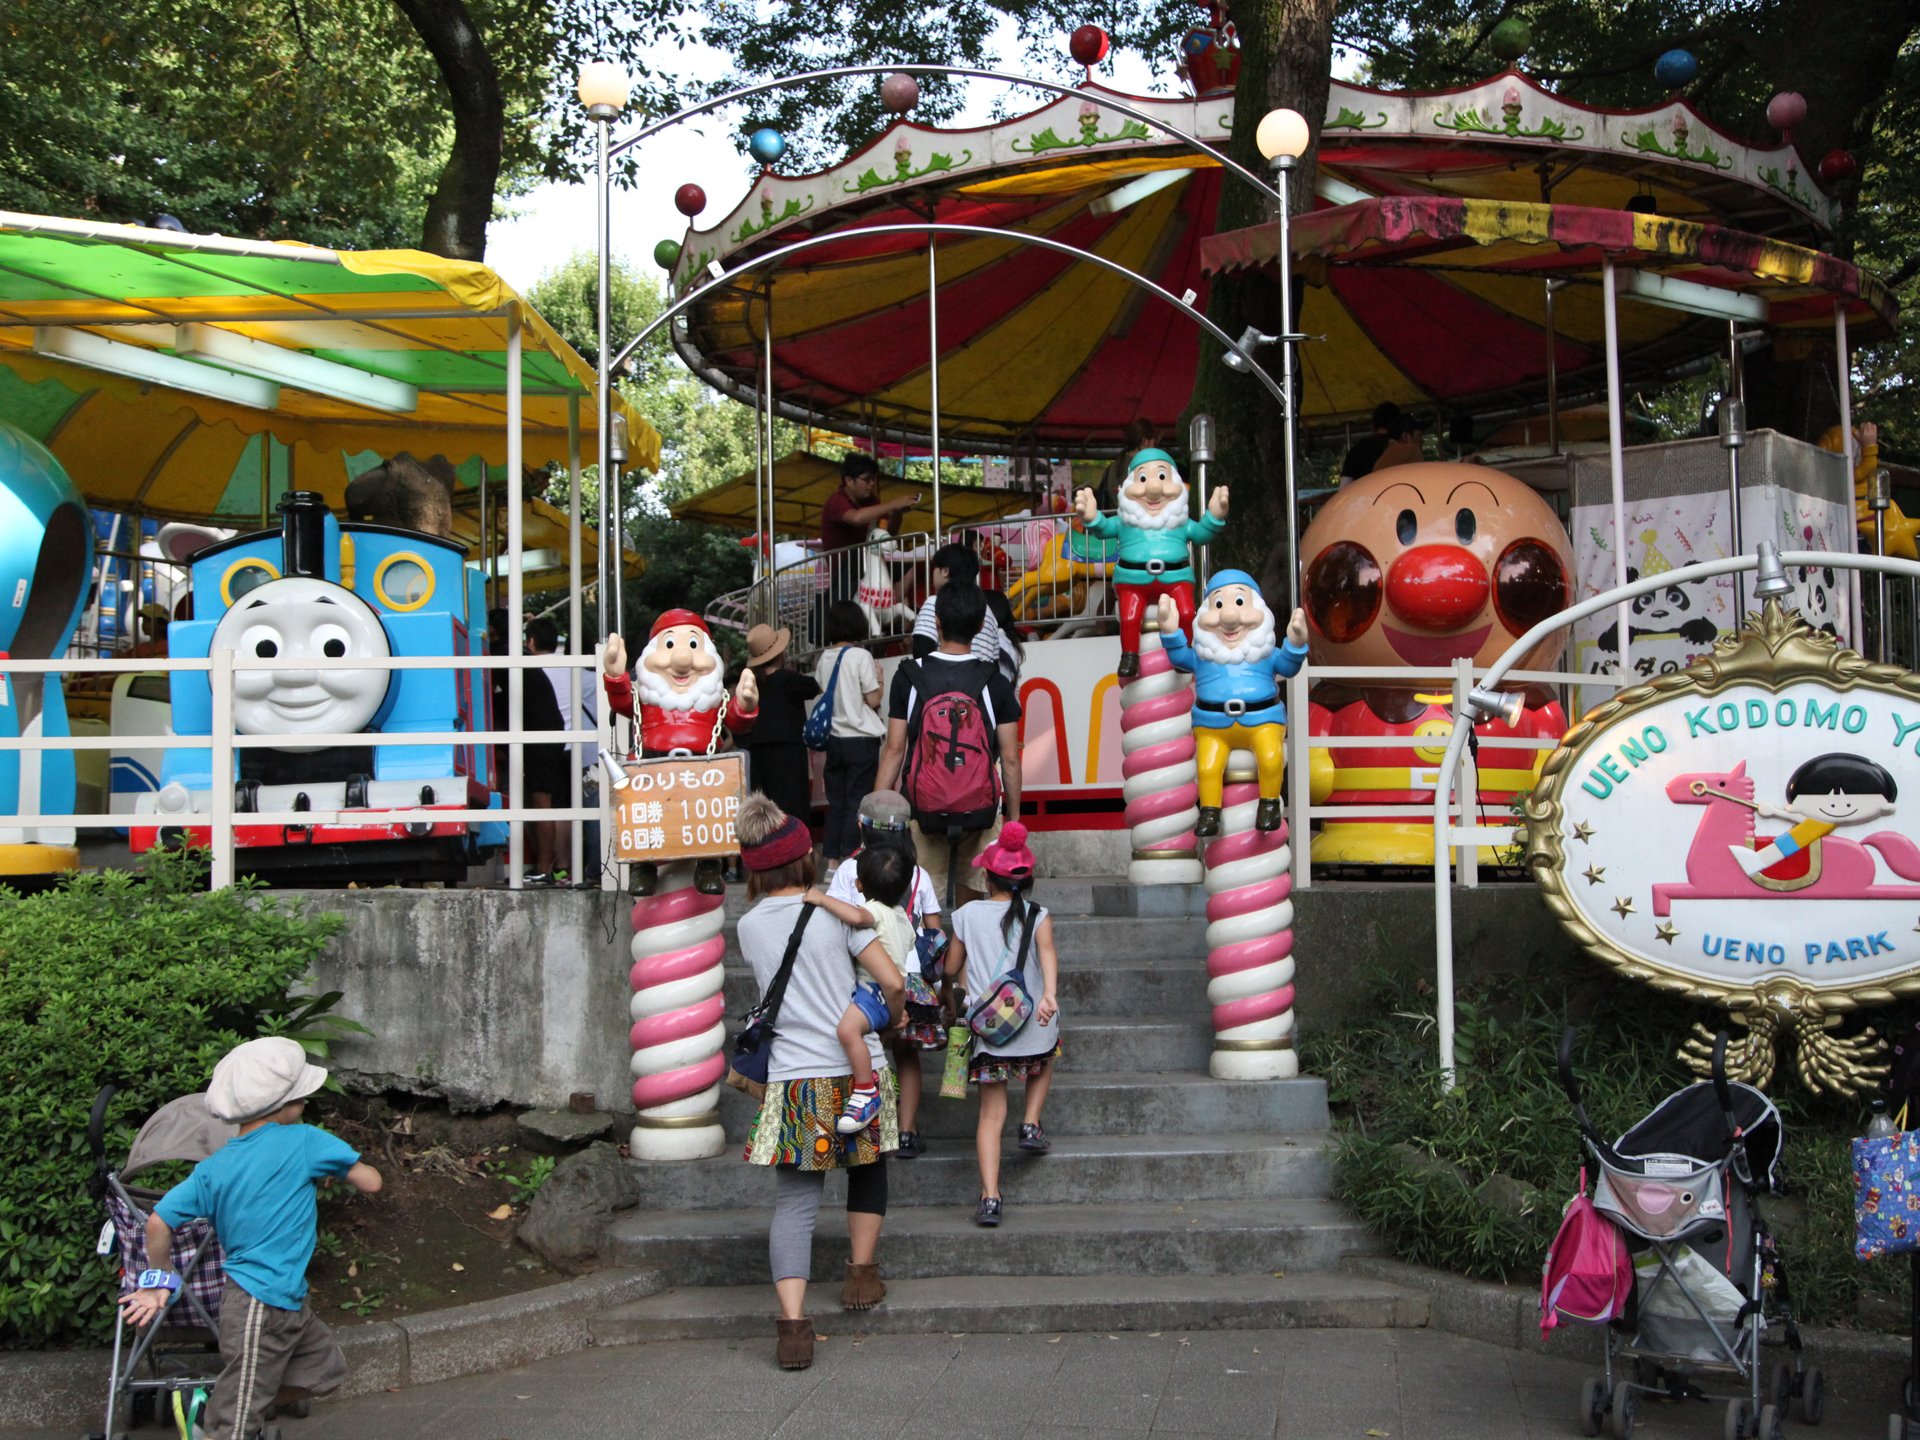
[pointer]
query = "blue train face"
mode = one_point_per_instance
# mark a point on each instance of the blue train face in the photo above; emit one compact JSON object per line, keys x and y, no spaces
{"x":295,"y":620}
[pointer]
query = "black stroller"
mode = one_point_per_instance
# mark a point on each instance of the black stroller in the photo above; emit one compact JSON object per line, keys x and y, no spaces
{"x":1682,"y":1185}
{"x":180,"y":1352}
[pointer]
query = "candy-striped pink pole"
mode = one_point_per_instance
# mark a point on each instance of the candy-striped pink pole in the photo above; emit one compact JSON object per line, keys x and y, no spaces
{"x":679,"y":1028}
{"x":1250,"y":944}
{"x":1161,"y":785}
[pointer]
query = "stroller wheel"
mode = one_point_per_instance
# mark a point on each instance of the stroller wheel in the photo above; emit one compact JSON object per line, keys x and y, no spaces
{"x":1779,"y":1391}
{"x":1813,"y":1396}
{"x":1593,"y":1405}
{"x":1739,"y":1412}
{"x":1769,"y":1423}
{"x":1626,"y":1410}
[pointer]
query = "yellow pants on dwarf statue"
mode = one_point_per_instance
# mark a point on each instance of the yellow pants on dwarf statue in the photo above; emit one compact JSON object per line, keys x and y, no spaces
{"x":1212,"y":746}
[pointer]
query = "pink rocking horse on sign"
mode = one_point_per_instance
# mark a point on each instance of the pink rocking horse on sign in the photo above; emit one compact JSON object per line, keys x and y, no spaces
{"x":1827,"y":867}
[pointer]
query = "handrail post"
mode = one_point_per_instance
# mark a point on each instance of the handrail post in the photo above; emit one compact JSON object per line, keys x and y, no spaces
{"x":220,"y":786}
{"x":1299,"y":779}
{"x":1466,"y":784}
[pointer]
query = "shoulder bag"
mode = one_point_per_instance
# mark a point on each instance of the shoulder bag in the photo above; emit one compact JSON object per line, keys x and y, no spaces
{"x":753,"y":1047}
{"x":819,"y":727}
{"x":1007,"y":1006}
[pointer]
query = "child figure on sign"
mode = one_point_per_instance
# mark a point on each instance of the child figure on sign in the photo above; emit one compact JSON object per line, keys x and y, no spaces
{"x":1237,"y":668}
{"x":1154,"y":532}
{"x":1822,"y":795}
{"x":684,"y":708}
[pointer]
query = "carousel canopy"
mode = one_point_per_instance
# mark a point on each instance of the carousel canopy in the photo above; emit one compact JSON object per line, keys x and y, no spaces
{"x":430,"y":335}
{"x":1040,"y":352}
{"x":1422,"y":299}
{"x":802,"y":484}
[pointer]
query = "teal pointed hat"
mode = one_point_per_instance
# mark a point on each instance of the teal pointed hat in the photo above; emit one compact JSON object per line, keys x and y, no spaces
{"x":1147,"y":457}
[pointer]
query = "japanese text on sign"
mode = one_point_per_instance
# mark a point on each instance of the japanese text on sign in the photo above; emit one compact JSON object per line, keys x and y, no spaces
{"x":679,"y":809}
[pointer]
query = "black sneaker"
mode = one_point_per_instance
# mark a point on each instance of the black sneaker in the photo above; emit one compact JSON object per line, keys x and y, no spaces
{"x":910,"y":1146}
{"x":1034,"y":1140}
{"x":987,"y":1212}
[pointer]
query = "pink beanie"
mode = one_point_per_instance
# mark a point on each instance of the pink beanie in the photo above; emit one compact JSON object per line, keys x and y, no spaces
{"x":1008,"y":856}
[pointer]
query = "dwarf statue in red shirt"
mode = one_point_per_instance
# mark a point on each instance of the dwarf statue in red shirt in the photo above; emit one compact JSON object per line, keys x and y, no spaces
{"x":684,"y":707}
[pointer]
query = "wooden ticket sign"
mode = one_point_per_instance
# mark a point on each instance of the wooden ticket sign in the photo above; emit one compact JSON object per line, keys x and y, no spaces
{"x":679,"y":809}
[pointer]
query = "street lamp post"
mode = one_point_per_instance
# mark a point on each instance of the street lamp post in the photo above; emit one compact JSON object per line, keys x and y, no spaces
{"x":604,"y":87}
{"x":1282,"y":137}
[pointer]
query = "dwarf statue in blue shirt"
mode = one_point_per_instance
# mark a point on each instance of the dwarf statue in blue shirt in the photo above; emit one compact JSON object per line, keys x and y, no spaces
{"x":1237,"y":668}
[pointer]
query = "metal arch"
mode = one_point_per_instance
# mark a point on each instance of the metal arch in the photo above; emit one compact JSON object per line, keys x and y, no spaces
{"x":848,"y":72}
{"x":933,"y":228}
{"x":1463,"y":724}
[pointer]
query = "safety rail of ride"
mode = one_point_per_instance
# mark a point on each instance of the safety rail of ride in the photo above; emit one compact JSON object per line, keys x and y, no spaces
{"x":1053,"y":595}
{"x":221,"y":819}
{"x":1463,"y":799}
{"x":887,"y":578}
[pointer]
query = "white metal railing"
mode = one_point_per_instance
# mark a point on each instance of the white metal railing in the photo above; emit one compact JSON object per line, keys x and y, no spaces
{"x":886,"y":578}
{"x":1463,"y":797}
{"x":223,"y":743}
{"x":1030,"y":558}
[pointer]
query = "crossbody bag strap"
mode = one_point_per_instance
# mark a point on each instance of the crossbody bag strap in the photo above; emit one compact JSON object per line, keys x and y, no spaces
{"x":833,"y":680}
{"x":777,"y":991}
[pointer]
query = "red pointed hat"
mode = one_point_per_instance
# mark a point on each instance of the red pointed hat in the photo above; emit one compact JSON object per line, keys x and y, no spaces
{"x":671,"y":618}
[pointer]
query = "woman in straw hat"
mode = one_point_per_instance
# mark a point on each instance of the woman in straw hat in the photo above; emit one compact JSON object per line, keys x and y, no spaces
{"x":781,"y":768}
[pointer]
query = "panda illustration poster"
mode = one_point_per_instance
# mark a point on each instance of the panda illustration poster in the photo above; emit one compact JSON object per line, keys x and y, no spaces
{"x":1674,"y":625}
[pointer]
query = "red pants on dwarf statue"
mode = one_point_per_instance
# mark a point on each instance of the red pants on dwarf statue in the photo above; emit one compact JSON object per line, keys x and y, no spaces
{"x":1134,"y":600}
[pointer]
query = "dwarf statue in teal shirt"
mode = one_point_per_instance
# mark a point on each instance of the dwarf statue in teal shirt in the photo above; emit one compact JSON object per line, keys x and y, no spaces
{"x":1154,"y":533}
{"x":1237,"y":669}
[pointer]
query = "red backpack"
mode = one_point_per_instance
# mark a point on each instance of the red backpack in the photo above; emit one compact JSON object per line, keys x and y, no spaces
{"x":1588,"y":1277}
{"x":952,"y":779}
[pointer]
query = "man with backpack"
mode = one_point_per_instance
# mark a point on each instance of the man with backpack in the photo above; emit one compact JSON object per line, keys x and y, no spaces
{"x":953,"y":745}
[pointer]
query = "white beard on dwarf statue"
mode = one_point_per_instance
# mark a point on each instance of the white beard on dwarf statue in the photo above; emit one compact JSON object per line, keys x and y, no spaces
{"x":706,"y":692}
{"x":1172,"y":515}
{"x":1256,"y":645}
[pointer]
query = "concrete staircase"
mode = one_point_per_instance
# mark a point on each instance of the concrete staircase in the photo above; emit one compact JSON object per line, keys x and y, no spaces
{"x":1170,"y":1200}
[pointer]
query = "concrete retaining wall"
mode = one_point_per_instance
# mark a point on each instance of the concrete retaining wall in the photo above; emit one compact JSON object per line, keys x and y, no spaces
{"x":491,"y":996}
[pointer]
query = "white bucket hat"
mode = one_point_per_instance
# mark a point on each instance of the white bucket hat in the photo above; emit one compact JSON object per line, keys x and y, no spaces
{"x":258,"y":1077}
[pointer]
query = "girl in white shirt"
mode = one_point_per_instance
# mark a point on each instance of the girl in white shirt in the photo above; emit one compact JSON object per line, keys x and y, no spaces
{"x":987,"y":943}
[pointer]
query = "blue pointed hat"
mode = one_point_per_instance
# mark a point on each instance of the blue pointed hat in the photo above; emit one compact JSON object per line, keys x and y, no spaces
{"x":1222,"y":578}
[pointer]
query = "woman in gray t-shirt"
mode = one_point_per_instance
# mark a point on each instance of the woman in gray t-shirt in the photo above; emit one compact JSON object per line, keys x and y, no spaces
{"x":807,"y":1072}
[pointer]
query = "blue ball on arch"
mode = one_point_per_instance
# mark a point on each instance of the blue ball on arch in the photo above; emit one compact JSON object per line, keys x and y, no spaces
{"x":1676,"y":68}
{"x":767,"y":145}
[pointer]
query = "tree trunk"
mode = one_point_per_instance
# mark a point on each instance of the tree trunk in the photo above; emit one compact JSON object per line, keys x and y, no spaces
{"x":1845,"y":70}
{"x":1286,"y":58}
{"x":462,"y":203}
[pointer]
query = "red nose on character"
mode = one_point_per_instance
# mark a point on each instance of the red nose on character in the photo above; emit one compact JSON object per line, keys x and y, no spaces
{"x":1437,"y":587}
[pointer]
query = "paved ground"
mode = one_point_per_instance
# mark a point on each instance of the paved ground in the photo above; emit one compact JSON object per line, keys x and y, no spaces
{"x":1294,"y":1385}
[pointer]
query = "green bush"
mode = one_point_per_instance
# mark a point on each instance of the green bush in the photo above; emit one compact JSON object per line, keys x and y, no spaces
{"x":1415,"y":1161}
{"x":142,"y":981}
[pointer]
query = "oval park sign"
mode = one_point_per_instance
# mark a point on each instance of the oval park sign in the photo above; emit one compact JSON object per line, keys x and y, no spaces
{"x":1741,"y":832}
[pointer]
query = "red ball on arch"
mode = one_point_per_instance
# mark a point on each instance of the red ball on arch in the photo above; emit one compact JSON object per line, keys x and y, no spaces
{"x":1838,"y":166}
{"x":1088,"y":45}
{"x":689,"y":200}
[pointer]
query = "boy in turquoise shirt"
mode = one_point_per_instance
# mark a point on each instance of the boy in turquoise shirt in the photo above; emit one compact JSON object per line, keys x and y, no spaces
{"x":258,"y":1191}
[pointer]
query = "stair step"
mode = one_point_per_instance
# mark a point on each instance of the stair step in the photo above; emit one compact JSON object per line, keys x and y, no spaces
{"x":1114,"y":1102}
{"x":969,"y":1304}
{"x":1116,"y":1168}
{"x":1212,"y":1237}
{"x":1171,"y":984}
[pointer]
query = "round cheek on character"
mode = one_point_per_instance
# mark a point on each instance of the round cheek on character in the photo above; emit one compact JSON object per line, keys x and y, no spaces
{"x":1529,"y":584}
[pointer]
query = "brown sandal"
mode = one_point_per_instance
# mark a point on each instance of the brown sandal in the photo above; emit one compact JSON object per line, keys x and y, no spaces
{"x":795,"y":1351}
{"x":864,"y":1288}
